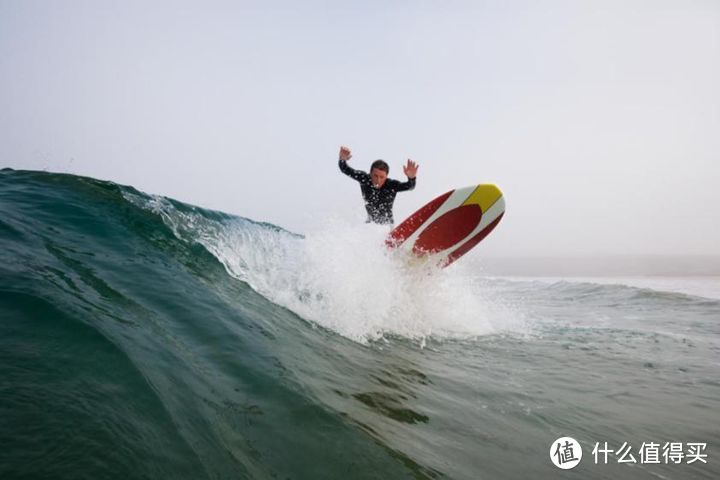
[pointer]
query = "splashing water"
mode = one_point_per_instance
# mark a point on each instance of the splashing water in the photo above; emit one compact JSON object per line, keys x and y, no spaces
{"x":342,"y":277}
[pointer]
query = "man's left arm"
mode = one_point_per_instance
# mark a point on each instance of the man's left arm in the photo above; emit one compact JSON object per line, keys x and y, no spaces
{"x":410,"y":169}
{"x":404,"y":186}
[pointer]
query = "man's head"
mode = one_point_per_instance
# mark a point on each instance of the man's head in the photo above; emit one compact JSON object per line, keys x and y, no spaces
{"x":378,"y":173}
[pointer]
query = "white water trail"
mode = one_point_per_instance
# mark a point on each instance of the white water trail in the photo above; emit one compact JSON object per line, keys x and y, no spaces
{"x":343,"y":278}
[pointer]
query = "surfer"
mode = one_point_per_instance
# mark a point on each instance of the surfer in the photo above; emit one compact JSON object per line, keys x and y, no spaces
{"x":377,"y":189}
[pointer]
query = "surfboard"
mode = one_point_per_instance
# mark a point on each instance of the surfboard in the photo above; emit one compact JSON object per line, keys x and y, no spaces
{"x":449,"y":226}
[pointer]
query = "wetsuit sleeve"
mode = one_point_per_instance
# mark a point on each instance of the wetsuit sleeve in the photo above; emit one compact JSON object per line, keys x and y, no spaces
{"x":351,"y":172}
{"x":404,"y":186}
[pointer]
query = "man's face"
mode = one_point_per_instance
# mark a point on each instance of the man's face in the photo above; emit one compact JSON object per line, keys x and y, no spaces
{"x":378,"y":177}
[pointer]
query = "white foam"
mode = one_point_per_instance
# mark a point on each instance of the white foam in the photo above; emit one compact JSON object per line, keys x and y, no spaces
{"x":342,"y":277}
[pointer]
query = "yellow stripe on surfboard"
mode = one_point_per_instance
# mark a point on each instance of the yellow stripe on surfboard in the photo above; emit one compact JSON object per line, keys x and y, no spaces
{"x":485,"y":196}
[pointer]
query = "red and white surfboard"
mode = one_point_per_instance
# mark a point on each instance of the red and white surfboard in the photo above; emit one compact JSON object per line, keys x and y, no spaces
{"x":449,"y":226}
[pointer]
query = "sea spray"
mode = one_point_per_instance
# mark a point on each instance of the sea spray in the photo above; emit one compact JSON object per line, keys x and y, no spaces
{"x":342,"y":277}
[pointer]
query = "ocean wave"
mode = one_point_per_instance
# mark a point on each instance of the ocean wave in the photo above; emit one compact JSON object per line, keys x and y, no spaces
{"x":129,"y":352}
{"x":142,"y":337}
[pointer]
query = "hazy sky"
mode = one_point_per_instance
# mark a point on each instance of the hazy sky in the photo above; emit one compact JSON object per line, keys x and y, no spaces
{"x":600,"y":120}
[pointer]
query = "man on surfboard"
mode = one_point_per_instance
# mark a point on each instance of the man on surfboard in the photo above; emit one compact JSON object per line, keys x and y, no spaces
{"x":377,"y":189}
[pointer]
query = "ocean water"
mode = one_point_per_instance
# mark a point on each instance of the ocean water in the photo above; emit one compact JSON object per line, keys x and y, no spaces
{"x":141,"y":337}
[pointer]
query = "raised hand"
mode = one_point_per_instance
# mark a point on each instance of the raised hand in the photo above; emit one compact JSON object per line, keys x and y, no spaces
{"x":345,"y":154}
{"x":411,"y":169}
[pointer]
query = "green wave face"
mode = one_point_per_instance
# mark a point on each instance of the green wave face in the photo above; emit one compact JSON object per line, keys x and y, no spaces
{"x":141,"y":337}
{"x":129,"y":352}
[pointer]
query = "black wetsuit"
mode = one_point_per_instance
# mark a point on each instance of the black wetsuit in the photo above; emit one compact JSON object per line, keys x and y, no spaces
{"x":378,"y":201}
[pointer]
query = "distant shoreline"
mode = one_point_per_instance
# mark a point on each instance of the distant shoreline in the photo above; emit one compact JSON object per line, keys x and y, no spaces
{"x":604,"y":265}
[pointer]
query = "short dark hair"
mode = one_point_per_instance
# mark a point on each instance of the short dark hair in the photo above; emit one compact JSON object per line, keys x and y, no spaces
{"x":380,"y":165}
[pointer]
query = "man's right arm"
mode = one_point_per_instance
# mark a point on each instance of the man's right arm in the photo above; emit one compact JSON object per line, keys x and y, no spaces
{"x":351,"y":172}
{"x":346,"y":169}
